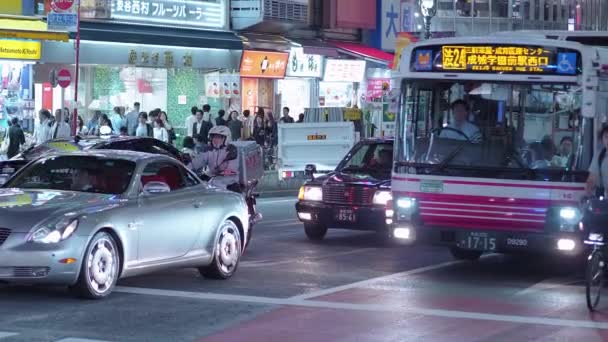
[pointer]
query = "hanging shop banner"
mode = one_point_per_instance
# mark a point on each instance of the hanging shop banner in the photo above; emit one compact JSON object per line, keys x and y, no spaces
{"x":376,"y":87}
{"x":264,"y":64}
{"x":20,"y":49}
{"x":201,"y":13}
{"x":344,"y":70}
{"x":303,"y":65}
{"x":230,"y":85}
{"x":63,"y":15}
{"x":212,"y":85}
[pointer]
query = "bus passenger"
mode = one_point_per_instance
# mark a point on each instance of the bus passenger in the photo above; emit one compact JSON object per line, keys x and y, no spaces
{"x":460,"y":110}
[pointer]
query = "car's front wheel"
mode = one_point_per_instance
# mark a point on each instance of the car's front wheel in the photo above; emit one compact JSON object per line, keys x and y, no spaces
{"x":227,"y":253}
{"x":315,"y":232}
{"x":100,"y":268}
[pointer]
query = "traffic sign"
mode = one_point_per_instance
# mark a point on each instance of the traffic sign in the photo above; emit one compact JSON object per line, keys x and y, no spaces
{"x":62,"y":5}
{"x":64,"y":78}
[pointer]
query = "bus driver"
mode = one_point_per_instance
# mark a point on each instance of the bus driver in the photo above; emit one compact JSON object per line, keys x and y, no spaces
{"x":460,"y":110}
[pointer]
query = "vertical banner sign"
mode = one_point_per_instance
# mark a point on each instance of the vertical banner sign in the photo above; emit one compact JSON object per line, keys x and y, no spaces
{"x":63,"y":15}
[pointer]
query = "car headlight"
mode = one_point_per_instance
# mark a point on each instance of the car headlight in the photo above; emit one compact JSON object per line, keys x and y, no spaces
{"x":382,"y":197}
{"x":311,"y":193}
{"x":54,"y":233}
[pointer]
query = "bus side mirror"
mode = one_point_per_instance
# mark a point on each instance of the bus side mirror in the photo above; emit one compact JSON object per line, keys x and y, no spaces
{"x":310,"y":170}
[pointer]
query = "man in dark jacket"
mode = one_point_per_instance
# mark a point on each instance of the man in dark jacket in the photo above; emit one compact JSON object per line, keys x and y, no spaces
{"x":16,"y":138}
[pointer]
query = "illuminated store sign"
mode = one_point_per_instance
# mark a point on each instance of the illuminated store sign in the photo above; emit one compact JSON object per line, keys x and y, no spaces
{"x":497,"y":59}
{"x":201,"y":13}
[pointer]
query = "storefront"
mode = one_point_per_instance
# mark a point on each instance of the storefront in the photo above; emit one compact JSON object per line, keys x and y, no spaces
{"x":299,"y":90}
{"x":21,"y":50}
{"x":340,"y":85}
{"x":259,"y":70}
{"x":144,"y":62}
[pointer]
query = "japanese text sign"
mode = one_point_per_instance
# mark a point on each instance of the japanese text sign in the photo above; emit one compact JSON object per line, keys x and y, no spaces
{"x":511,"y":59}
{"x":303,"y":65}
{"x":201,"y":13}
{"x":344,"y":70}
{"x":263,"y":64}
{"x":63,"y":15}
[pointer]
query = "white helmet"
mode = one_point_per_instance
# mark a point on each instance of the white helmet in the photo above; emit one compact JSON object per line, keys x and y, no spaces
{"x":221,"y":130}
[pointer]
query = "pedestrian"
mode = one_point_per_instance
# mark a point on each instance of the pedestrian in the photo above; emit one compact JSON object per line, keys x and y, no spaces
{"x":207,"y":114}
{"x":105,"y":125}
{"x":259,"y":131}
{"x":132,"y":119}
{"x":190,"y":121}
{"x":93,"y":124}
{"x":16,"y":138}
{"x":160,"y":132}
{"x":188,"y":146}
{"x":235,"y":125}
{"x":117,"y":120}
{"x":81,"y":128}
{"x":271,"y":130}
{"x":247,"y":125}
{"x":153,"y":115}
{"x":60,"y":129}
{"x":170,"y":130}
{"x":144,"y":129}
{"x":286,"y":118}
{"x":42,"y":132}
{"x":124,"y":131}
{"x":300,"y":118}
{"x":200,"y":143}
{"x":201,"y":126}
{"x":221,"y":120}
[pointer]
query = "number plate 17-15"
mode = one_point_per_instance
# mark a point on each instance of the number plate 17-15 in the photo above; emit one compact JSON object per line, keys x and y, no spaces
{"x":477,"y":241}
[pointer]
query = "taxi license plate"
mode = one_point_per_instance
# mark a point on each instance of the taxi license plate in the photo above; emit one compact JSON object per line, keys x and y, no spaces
{"x":345,"y":215}
{"x":477,"y":241}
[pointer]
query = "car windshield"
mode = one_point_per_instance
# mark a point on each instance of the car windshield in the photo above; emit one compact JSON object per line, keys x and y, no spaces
{"x":76,"y":173}
{"x":493,"y":125}
{"x":373,"y":159}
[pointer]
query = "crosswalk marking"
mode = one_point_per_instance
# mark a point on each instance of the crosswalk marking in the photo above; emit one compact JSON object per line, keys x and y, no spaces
{"x":5,"y":334}
{"x":70,"y":339}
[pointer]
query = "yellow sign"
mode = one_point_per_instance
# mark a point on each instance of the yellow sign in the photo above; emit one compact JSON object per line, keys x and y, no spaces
{"x":20,"y":49}
{"x":352,"y":114}
{"x":317,"y":137}
{"x":12,"y":7}
{"x":495,"y":58}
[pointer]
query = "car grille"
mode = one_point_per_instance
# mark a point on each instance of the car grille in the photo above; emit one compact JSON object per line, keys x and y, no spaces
{"x":4,"y":233}
{"x":24,"y":272}
{"x":348,"y":195}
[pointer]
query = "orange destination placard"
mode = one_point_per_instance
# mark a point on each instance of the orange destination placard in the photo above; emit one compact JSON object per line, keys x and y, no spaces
{"x":264,"y":64}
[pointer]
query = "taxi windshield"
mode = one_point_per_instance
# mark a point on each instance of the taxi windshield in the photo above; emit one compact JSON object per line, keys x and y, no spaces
{"x":494,"y":125}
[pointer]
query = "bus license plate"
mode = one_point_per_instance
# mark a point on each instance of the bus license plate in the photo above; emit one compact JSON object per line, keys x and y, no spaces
{"x":477,"y":241}
{"x":345,"y":215}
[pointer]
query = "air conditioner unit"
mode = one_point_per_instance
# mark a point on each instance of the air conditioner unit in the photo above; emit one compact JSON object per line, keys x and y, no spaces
{"x":248,"y":14}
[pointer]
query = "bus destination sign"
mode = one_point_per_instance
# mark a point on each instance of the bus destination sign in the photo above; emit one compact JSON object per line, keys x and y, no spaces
{"x":508,"y":59}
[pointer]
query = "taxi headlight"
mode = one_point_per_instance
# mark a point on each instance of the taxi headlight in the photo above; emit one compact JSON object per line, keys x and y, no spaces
{"x":382,"y":197}
{"x":311,"y":193}
{"x":54,"y":234}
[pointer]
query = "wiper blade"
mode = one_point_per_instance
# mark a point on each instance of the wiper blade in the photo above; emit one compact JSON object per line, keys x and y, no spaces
{"x":450,"y":157}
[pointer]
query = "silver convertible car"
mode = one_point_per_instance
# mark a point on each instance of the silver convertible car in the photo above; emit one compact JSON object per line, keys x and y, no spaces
{"x":86,"y":219}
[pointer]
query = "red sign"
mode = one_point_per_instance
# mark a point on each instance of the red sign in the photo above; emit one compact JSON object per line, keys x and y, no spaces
{"x":264,"y":64}
{"x":64,"y":78}
{"x":62,"y":5}
{"x":376,"y":87}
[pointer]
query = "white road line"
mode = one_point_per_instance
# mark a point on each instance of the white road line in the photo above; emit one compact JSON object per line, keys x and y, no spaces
{"x":362,"y":283}
{"x":549,"y":284}
{"x":303,"y":259}
{"x":5,"y":334}
{"x":262,"y":201}
{"x":402,"y":310}
{"x":70,"y":339}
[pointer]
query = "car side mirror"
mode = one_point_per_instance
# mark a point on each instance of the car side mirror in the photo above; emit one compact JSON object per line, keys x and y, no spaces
{"x":155,"y":188}
{"x":310,"y":170}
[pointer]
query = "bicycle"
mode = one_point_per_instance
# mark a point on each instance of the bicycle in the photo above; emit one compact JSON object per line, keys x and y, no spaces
{"x":594,"y":272}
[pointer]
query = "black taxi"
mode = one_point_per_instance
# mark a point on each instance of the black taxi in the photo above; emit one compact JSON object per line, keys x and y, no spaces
{"x":355,"y":196}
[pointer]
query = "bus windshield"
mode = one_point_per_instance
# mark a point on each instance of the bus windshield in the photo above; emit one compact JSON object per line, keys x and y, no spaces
{"x":490,"y":125}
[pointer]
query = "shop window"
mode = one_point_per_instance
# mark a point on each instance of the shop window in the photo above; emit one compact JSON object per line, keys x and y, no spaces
{"x":445,"y":8}
{"x":481,"y":8}
{"x":500,"y":9}
{"x":464,"y":7}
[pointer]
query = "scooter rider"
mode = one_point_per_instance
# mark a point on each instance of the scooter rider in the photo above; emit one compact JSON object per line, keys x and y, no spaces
{"x":219,"y":158}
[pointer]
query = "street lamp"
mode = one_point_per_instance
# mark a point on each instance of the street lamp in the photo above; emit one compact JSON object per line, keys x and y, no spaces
{"x":428,"y":8}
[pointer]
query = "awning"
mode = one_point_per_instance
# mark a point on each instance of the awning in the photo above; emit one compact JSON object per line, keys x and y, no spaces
{"x":157,"y":35}
{"x":365,"y":52}
{"x":257,"y":41}
{"x":317,"y":47}
{"x":28,"y":28}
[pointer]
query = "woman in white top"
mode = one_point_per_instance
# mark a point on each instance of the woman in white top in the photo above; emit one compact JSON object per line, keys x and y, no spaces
{"x":82,"y":129}
{"x":160,"y":132}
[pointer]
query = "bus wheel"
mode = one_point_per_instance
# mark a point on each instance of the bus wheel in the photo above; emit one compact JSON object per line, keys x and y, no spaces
{"x":464,"y":254}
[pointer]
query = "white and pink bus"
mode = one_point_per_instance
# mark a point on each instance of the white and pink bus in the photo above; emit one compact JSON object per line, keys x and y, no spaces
{"x":495,"y":135}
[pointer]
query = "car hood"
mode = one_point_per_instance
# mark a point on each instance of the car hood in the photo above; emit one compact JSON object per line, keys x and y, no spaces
{"x":21,"y":210}
{"x":359,"y":179}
